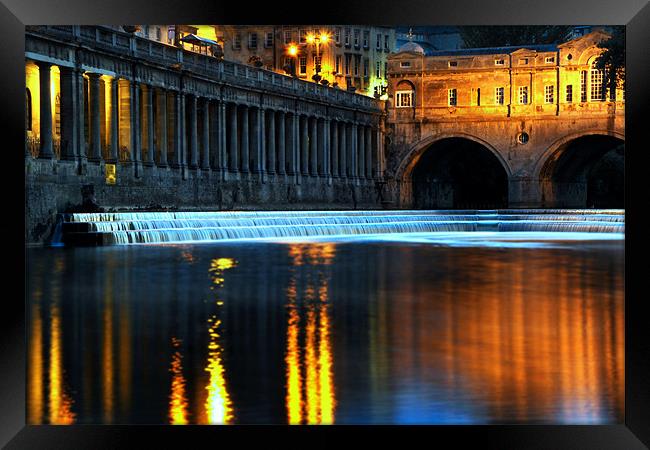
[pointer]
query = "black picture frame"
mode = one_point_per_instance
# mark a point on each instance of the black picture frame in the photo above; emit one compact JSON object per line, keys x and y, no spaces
{"x":15,"y":14}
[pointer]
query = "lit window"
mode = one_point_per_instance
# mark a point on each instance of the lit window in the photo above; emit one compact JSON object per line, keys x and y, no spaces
{"x":366,"y":38}
{"x":452,"y":63}
{"x":236,"y":42}
{"x":498,"y":96}
{"x":287,"y":37}
{"x":404,"y":64}
{"x":499,"y":62}
{"x":549,"y":60}
{"x":452,"y":97}
{"x":403,"y":99}
{"x":252,"y":40}
{"x":268,"y":42}
{"x":357,"y":63}
{"x":523,"y":95}
{"x":569,"y":93}
{"x":303,"y":65}
{"x":378,"y":69}
{"x":523,"y":61}
{"x":549,"y":92}
{"x":302,"y":36}
{"x":366,"y":63}
{"x":337,"y":35}
{"x":583,"y":86}
{"x":338,"y":63}
{"x":596,"y":81}
{"x":348,"y":59}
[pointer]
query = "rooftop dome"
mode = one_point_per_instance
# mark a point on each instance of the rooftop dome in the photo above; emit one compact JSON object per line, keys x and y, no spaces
{"x":411,"y":47}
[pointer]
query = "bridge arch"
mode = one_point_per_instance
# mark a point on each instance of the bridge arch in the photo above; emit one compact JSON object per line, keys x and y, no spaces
{"x":583,"y":169}
{"x":454,"y":170}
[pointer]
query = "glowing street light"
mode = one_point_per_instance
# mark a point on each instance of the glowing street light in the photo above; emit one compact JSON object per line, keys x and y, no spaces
{"x":322,"y":38}
{"x":292,"y":50}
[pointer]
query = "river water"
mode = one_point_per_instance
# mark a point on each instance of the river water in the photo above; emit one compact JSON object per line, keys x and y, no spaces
{"x":423,"y":328}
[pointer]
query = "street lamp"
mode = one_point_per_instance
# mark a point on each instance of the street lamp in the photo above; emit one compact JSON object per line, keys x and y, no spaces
{"x":292,"y":50}
{"x":318,"y":39}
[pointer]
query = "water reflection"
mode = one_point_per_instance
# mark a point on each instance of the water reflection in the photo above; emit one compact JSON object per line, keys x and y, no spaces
{"x":310,"y":398}
{"x":321,"y":333}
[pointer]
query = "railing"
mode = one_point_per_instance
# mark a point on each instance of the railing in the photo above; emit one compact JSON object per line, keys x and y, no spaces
{"x":120,"y":42}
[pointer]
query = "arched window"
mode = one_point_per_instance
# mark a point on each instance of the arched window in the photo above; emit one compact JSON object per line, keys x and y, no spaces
{"x":597,"y":93}
{"x":28,"y":110}
{"x":404,"y":95}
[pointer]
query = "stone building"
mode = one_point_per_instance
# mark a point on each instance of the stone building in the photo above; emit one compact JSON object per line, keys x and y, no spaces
{"x":542,"y":113}
{"x":149,"y":125}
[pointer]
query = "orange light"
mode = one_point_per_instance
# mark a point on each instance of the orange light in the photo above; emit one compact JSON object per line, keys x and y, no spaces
{"x":324,"y":37}
{"x":292,"y":50}
{"x":310,"y":38}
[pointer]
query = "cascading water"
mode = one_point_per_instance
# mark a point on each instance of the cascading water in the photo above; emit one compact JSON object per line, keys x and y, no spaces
{"x":167,"y":227}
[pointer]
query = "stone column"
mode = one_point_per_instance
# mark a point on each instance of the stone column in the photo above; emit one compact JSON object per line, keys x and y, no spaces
{"x":148,"y":107}
{"x":135,"y":122}
{"x":114,"y":144}
{"x":320,"y":146}
{"x":282,"y":147}
{"x":205,"y":143}
{"x":361,"y":152}
{"x":263,"y":142}
{"x":193,"y":125}
{"x":69,"y":133}
{"x":162,"y":127}
{"x":304,"y":146}
{"x":81,"y":109}
{"x":222,"y":143}
{"x":313,"y":147}
{"x":379,"y":154}
{"x":46,"y":150}
{"x":255,"y":141}
{"x":369,"y":150}
{"x":270,"y":143}
{"x":354,"y":147}
{"x":291,"y":144}
{"x":334,"y":149}
{"x":233,"y":165}
{"x":245,"y":153}
{"x":183,"y":129}
{"x":176,"y":159}
{"x":95,"y":124}
{"x":343,"y":150}
{"x":327,"y":148}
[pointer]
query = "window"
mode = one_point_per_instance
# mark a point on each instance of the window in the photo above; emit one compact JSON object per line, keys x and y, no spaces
{"x":549,"y":60}
{"x":356,"y":38}
{"x":498,"y":96}
{"x":348,"y":59}
{"x":386,"y":42}
{"x":287,"y":37}
{"x":268,"y":41}
{"x":404,"y":64}
{"x":303,"y":65}
{"x":478,"y":96}
{"x":452,"y":63}
{"x":385,"y":69}
{"x":452,"y":97}
{"x":146,"y":31}
{"x":523,"y":95}
{"x":379,"y":41}
{"x":366,"y":63}
{"x":523,"y":61}
{"x":339,"y":59}
{"x":357,"y":63}
{"x":583,"y":86}
{"x":596,"y":81}
{"x":499,"y":62}
{"x":337,"y":35}
{"x":348,"y":33}
{"x":287,"y":61}
{"x":366,"y":38}
{"x":549,"y":92}
{"x":404,"y":99}
{"x":252,"y":40}
{"x":236,"y":42}
{"x":378,"y":69}
{"x":302,"y":36}
{"x":569,"y":93}
{"x":158,"y":34}
{"x":28,"y":110}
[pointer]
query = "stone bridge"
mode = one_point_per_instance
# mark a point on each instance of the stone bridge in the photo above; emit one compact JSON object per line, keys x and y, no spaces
{"x":506,"y":127}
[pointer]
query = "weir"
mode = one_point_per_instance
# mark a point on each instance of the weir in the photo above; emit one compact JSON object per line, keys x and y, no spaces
{"x":177,"y":227}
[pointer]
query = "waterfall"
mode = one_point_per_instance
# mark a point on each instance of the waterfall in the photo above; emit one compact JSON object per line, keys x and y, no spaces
{"x":174,"y":227}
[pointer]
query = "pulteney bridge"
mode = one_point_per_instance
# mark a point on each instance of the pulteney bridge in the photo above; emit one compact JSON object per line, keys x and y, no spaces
{"x":504,"y":127}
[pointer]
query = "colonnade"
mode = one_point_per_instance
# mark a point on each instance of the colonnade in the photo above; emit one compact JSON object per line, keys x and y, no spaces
{"x":116,"y":120}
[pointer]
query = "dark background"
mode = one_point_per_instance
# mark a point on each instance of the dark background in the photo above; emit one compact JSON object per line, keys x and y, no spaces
{"x":14,"y":14}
